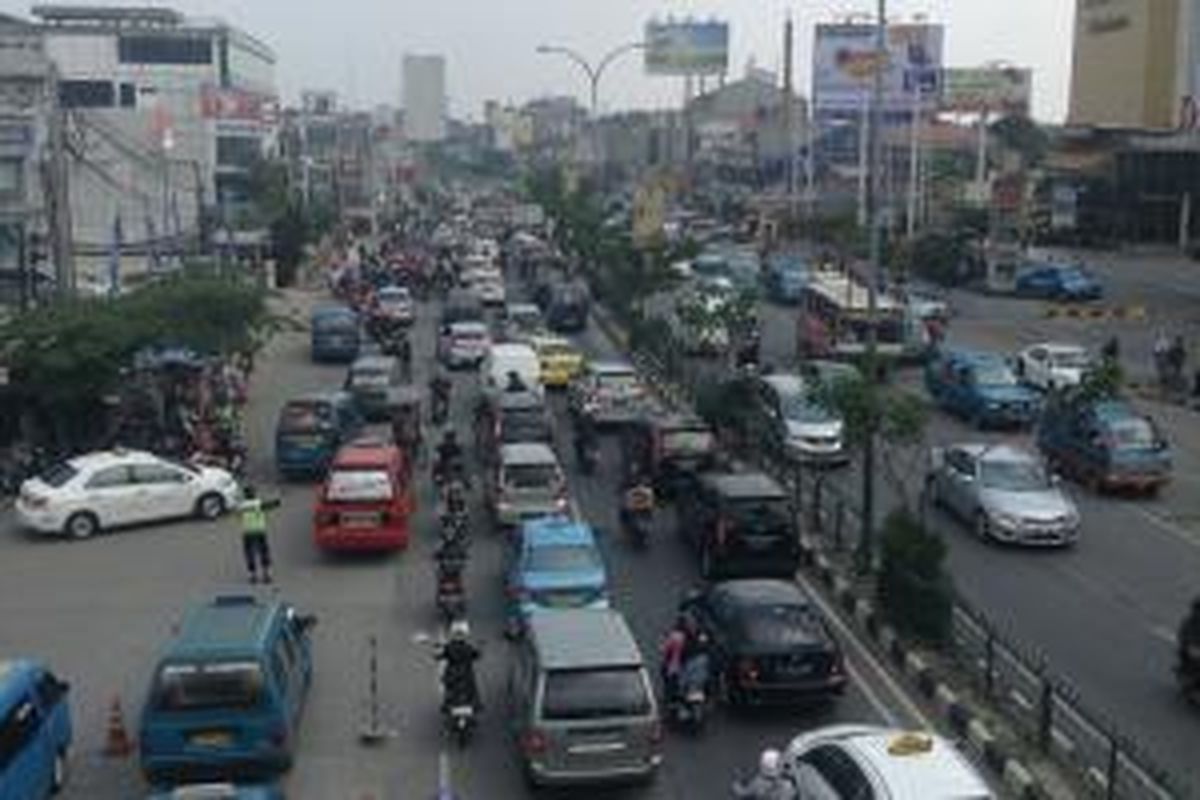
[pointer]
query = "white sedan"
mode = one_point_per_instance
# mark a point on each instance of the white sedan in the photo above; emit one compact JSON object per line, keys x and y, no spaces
{"x":491,"y":292}
{"x":113,"y":488}
{"x":1049,"y":366}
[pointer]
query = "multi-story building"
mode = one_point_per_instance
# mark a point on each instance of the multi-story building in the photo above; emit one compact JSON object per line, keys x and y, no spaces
{"x":165,"y":117}
{"x":32,"y":174}
{"x":1136,"y":63}
{"x":424,"y":81}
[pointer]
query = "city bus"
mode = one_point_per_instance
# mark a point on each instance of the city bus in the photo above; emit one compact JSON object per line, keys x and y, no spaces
{"x":833,"y":321}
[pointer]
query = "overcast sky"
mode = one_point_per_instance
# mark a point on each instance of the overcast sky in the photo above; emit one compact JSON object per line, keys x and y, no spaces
{"x":355,"y":46}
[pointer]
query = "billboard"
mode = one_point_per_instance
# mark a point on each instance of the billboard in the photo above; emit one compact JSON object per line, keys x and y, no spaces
{"x":1006,"y":90}
{"x":686,"y":47}
{"x":844,"y":61}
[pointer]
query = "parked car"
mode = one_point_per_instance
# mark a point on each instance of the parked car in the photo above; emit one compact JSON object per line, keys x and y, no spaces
{"x":110,"y":489}
{"x":228,"y":692}
{"x":366,"y":500}
{"x":527,"y":483}
{"x":557,"y":565}
{"x":35,"y":731}
{"x":1004,"y":493}
{"x":770,"y":643}
{"x":1104,"y":444}
{"x":844,"y":761}
{"x":980,"y":388}
{"x":1050,"y":281}
{"x":310,"y":429}
{"x":1050,"y":366}
{"x":611,"y":392}
{"x":395,"y":304}
{"x":740,"y":523}
{"x":463,"y":344}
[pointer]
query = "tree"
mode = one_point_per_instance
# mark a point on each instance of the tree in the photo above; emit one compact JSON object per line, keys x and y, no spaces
{"x":914,"y":592}
{"x":1024,"y":136}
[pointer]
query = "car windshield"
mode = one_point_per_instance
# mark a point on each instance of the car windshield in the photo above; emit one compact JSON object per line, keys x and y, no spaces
{"x":1132,"y":433}
{"x":370,"y":376}
{"x":994,"y":375}
{"x":336,"y":323}
{"x":1010,"y":475}
{"x":557,"y":350}
{"x":304,"y":417}
{"x":209,"y":686}
{"x":781,"y":625}
{"x":526,"y":320}
{"x":761,"y":513}
{"x":530,"y":476}
{"x":594,"y":694}
{"x":1069,"y":359}
{"x":562,"y":558}
{"x":620,"y":382}
{"x":393,"y":296}
{"x":58,"y":474}
{"x":358,"y":486}
{"x":800,"y":407}
{"x":688,"y":442}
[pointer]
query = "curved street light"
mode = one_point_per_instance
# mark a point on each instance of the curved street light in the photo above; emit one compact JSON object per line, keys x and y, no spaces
{"x":594,"y":72}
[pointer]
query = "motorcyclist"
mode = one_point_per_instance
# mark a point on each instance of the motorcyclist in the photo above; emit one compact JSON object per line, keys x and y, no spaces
{"x":459,"y":686}
{"x":671,"y":655}
{"x":1189,"y":647}
{"x":585,"y":437}
{"x":439,"y":393}
{"x":770,"y":783}
{"x":449,"y":456}
{"x":515,"y":382}
{"x":748,"y":353}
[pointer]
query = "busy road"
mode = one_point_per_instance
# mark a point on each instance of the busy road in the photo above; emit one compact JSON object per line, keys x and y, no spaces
{"x":122,"y":593}
{"x":1104,"y":613}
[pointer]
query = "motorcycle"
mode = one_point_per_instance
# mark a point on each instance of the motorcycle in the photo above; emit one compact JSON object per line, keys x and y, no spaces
{"x":637,"y":514}
{"x":451,"y":597}
{"x":587,"y":453}
{"x":689,"y":707}
{"x":439,"y":407}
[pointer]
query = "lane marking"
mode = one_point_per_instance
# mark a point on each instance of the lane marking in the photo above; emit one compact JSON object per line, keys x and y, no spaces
{"x":903,"y":701}
{"x":1167,"y":526}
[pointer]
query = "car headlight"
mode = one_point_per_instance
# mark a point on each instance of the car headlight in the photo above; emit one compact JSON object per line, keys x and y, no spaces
{"x":1005,"y":520}
{"x":993,"y":405}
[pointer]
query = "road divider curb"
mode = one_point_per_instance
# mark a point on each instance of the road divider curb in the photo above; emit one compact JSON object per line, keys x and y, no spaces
{"x":1133,"y":313}
{"x":957,"y":714}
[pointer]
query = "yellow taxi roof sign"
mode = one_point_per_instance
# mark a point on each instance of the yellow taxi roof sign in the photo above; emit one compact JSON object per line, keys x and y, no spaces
{"x":910,"y":744}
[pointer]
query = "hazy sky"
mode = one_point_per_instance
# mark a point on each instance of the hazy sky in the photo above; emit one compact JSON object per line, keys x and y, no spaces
{"x":355,"y":46}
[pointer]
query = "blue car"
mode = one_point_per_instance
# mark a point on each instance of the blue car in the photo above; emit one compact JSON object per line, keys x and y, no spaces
{"x":557,"y":565}
{"x":219,"y":791}
{"x":336,"y":335}
{"x":35,"y":731}
{"x":980,"y":388}
{"x":1104,"y":444}
{"x":1057,"y":282}
{"x":309,"y":431}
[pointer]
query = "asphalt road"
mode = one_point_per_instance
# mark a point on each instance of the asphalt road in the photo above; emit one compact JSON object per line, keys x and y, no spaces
{"x":99,"y":610}
{"x":1104,"y":614}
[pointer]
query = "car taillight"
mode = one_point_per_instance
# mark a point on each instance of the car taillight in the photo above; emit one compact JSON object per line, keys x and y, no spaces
{"x":534,"y":743}
{"x":747,"y":671}
{"x":326,"y":518}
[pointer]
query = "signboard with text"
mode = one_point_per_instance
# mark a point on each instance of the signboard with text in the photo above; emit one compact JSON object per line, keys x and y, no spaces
{"x":845,"y":61}
{"x":999,"y":89}
{"x":686,"y":47}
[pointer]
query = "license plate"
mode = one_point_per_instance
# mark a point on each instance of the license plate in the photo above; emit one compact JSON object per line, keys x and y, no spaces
{"x":563,"y":599}
{"x":360,"y":520}
{"x":798,"y":670}
{"x":211,"y":739}
{"x":304,"y":441}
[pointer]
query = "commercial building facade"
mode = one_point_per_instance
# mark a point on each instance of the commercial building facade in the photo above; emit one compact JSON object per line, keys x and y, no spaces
{"x":165,"y":117}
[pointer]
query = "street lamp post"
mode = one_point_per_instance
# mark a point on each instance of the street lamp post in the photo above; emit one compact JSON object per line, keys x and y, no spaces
{"x":594,"y":73}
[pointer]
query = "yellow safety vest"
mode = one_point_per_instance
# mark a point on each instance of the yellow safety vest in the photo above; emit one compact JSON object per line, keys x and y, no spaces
{"x":254,"y":519}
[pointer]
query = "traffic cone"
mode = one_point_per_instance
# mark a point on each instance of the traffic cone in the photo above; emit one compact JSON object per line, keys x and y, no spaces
{"x":117,"y":743}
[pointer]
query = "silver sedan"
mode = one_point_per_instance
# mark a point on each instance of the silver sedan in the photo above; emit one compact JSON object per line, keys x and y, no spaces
{"x":1004,"y":492}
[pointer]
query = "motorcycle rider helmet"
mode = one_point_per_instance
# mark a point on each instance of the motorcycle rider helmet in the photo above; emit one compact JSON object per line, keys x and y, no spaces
{"x":770,"y":763}
{"x":460,"y":630}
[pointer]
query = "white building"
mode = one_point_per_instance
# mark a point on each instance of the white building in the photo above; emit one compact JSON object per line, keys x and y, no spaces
{"x":424,"y":84}
{"x":164,"y":115}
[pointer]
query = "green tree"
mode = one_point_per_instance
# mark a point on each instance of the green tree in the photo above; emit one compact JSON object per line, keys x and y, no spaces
{"x":1024,"y":136}
{"x":914,"y":591}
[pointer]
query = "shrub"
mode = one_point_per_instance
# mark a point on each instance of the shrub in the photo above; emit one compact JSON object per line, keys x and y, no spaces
{"x":914,"y":591}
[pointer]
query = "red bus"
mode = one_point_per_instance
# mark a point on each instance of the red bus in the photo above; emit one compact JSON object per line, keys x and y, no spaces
{"x":366,"y":500}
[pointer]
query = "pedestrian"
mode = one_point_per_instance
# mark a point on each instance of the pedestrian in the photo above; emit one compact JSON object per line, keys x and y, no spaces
{"x":255,"y":547}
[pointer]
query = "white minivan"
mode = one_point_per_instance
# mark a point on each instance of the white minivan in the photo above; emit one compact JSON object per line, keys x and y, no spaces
{"x":506,"y":358}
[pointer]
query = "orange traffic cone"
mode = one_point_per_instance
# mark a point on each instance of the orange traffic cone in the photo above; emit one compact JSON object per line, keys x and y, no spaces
{"x":116,"y":741}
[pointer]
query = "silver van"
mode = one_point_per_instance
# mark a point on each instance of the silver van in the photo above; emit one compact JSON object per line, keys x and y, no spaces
{"x":527,"y":483}
{"x":582,"y":705}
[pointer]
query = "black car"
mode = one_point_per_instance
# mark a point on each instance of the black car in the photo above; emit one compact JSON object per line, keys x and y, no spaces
{"x":512,"y":418}
{"x":770,"y":644}
{"x":567,"y":308}
{"x":740,"y":523}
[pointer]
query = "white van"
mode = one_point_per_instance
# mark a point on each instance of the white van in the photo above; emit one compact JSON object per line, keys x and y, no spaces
{"x":502,"y":359}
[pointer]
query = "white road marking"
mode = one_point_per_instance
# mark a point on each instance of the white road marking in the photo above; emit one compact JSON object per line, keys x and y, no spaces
{"x":1167,"y":526}
{"x":884,"y":678}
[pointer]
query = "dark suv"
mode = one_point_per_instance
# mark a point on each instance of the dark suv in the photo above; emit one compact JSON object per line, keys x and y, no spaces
{"x":740,"y":524}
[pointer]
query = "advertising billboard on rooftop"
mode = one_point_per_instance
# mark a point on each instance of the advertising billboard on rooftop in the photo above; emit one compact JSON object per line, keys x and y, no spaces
{"x":844,"y":61}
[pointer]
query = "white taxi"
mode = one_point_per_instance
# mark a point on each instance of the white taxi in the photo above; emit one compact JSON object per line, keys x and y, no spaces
{"x":113,"y":488}
{"x":844,"y":761}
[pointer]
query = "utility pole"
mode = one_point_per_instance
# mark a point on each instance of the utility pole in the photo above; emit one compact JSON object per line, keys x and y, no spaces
{"x":58,"y":203}
{"x":789,"y":111}
{"x":865,"y":557}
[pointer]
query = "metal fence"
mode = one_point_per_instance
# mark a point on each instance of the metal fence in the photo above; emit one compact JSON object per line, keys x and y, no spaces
{"x":1017,"y":681}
